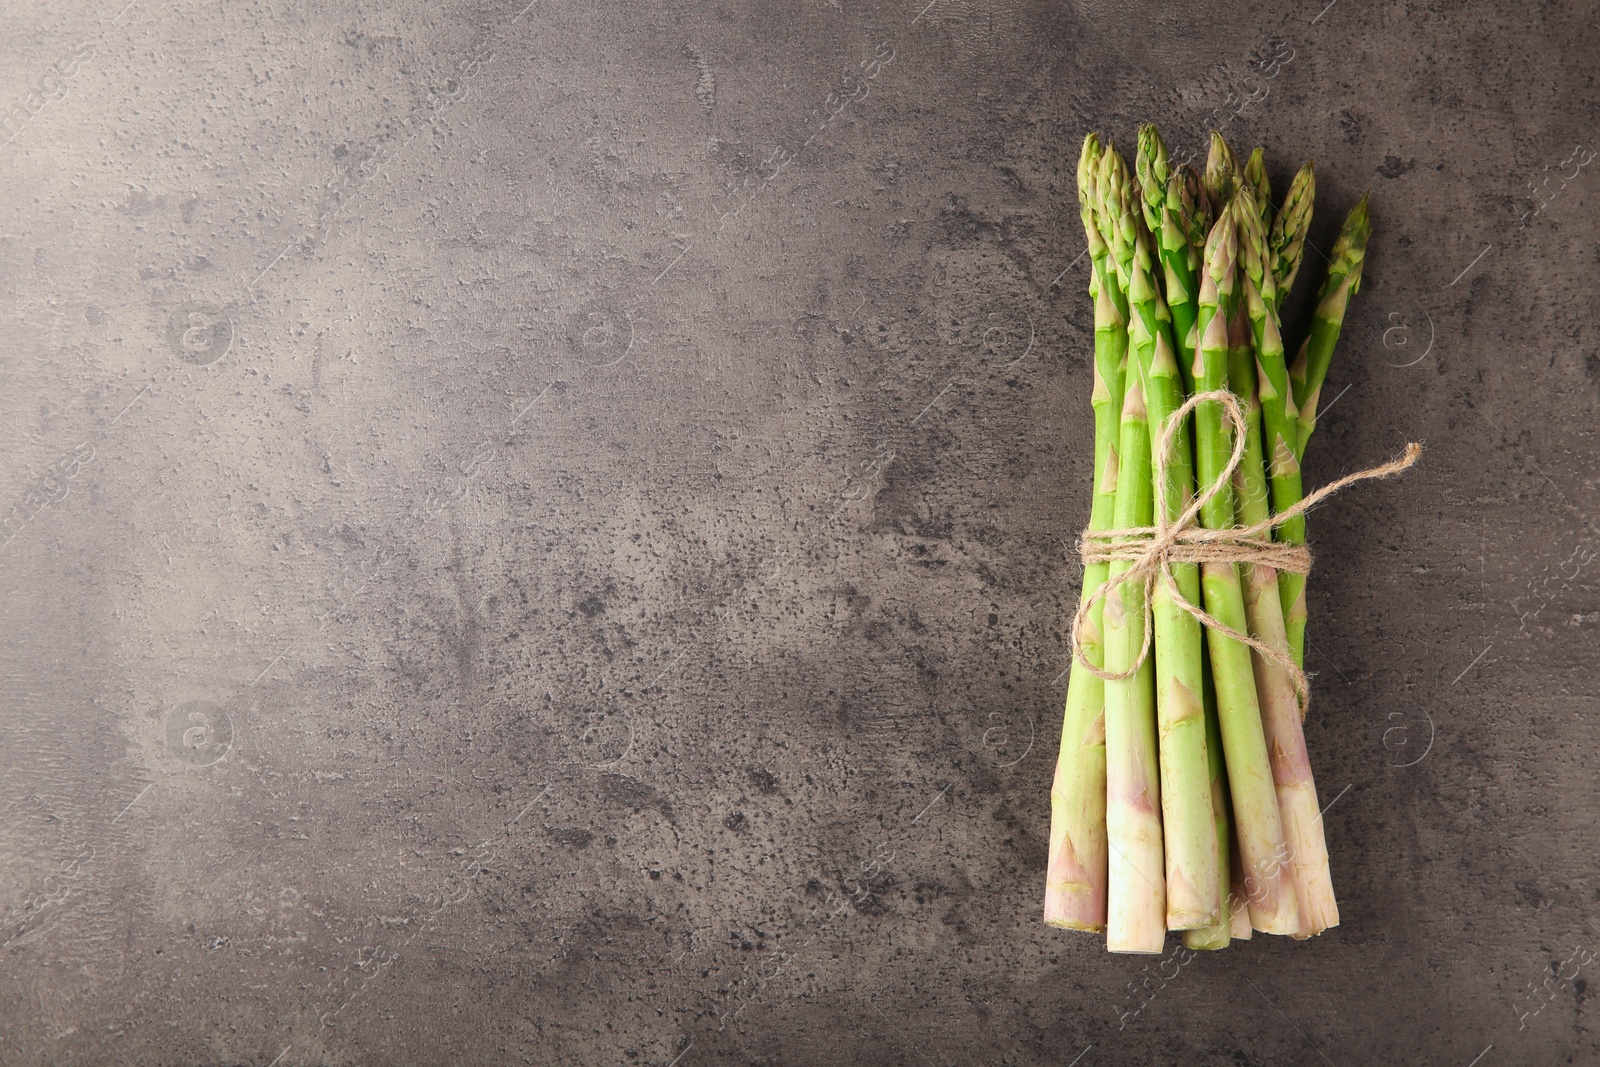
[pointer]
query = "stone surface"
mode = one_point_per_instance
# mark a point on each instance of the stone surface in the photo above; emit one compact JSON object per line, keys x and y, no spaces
{"x":541,"y":534}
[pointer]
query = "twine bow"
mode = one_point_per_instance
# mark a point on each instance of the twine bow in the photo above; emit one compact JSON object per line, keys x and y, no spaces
{"x":1151,"y":550}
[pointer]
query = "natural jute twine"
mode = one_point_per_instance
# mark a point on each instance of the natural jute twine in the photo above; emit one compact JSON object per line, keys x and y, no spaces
{"x":1151,"y":550}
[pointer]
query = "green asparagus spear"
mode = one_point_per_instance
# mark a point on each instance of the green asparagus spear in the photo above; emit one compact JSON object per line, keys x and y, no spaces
{"x":1136,"y":880}
{"x":1316,"y":351}
{"x":1279,"y":415}
{"x":1305,"y":379}
{"x":1188,"y":830}
{"x":1075,"y":885}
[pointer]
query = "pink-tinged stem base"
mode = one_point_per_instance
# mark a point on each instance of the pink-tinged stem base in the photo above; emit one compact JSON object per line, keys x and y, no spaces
{"x":1307,"y":851}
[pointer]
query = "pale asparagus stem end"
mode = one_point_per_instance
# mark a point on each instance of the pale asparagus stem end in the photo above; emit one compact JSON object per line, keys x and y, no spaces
{"x":1136,"y":894}
{"x":1073,"y":897}
{"x":1075,"y":891}
{"x":1307,"y":863}
{"x":1192,"y":896}
{"x":1308,"y":856}
{"x":1240,"y":928}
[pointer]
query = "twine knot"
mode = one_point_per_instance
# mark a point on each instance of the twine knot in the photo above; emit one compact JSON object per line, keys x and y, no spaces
{"x":1152,"y":550}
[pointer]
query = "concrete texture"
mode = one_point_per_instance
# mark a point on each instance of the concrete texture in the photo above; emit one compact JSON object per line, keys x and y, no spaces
{"x":541,"y":534}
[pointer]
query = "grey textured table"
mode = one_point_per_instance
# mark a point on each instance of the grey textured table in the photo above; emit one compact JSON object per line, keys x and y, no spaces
{"x":542,"y":534}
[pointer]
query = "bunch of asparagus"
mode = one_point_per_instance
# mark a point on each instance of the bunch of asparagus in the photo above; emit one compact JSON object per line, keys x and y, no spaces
{"x":1183,"y":797}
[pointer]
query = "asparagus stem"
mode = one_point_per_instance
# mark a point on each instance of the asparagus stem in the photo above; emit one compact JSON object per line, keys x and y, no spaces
{"x":1188,"y":829}
{"x":1257,"y":819}
{"x":1217,"y":935}
{"x":1306,"y":853}
{"x":1306,"y":378}
{"x":1279,"y":414}
{"x":1075,"y":885}
{"x":1136,"y":883}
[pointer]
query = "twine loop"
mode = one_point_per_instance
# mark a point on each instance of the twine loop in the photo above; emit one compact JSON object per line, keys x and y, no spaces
{"x":1152,"y":550}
